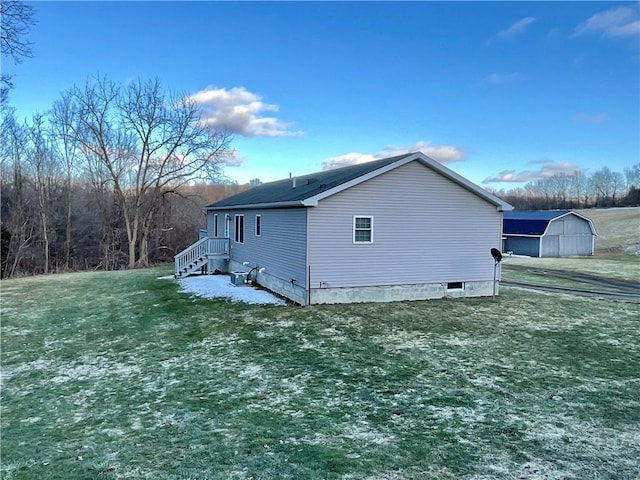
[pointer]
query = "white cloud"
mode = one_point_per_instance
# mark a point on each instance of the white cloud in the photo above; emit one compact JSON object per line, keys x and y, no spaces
{"x":352,"y":158}
{"x":548,"y":168}
{"x":233,"y":158}
{"x":516,"y":28}
{"x":237,"y":110}
{"x":440,"y":153}
{"x":614,"y":22}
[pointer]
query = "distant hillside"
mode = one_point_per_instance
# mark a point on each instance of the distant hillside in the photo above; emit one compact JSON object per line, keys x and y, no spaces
{"x":618,"y":230}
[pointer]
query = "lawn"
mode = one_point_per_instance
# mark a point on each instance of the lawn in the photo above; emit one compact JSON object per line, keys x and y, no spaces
{"x":626,"y":269}
{"x":117,"y":375}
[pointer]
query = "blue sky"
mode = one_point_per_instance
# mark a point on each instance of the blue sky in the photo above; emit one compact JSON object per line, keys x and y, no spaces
{"x":502,"y":93}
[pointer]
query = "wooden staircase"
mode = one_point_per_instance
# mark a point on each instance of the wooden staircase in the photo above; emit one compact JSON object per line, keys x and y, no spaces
{"x":193,"y":258}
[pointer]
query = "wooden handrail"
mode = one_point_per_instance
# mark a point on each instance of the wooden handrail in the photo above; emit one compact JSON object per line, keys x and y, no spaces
{"x":200,"y":249}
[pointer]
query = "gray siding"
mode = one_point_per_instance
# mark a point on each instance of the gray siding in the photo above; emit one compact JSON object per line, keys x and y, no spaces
{"x":567,"y":236}
{"x":566,"y":245}
{"x":281,"y":248}
{"x":550,"y":246}
{"x":426,"y":229}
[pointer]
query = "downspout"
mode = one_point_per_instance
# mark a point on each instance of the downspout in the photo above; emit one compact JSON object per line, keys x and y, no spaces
{"x":309,"y":286}
{"x":307,"y":211}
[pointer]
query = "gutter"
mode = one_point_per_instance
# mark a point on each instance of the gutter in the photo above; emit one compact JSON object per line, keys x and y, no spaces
{"x":254,"y":206}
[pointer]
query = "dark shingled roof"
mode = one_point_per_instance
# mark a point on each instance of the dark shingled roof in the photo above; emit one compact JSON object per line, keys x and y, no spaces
{"x":307,"y":186}
{"x":529,"y":222}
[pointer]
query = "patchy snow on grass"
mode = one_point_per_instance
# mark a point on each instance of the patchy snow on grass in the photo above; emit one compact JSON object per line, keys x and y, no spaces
{"x":92,"y":368}
{"x":41,"y":364}
{"x":219,"y":286}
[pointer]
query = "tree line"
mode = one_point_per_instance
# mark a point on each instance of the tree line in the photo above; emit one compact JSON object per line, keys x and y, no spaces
{"x":115,"y":176}
{"x":105,"y":179}
{"x":604,"y":188}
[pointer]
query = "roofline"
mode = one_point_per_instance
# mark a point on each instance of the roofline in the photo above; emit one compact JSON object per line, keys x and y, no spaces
{"x":249,"y":206}
{"x":571,"y":212}
{"x":312,"y":201}
{"x":593,"y":227}
{"x":428,"y":162}
{"x":531,"y":235}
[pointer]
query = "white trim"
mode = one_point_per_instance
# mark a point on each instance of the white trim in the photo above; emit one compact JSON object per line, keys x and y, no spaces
{"x":258,"y":225}
{"x":370,"y":229}
{"x":571,"y":212}
{"x":238,"y":233}
{"x":253,"y":206}
{"x":521,"y":235}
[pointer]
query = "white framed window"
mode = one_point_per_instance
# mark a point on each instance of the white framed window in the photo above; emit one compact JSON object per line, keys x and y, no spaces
{"x":239,"y":230}
{"x":258,"y":225}
{"x":362,"y":229}
{"x":215,"y":224}
{"x":455,"y":286}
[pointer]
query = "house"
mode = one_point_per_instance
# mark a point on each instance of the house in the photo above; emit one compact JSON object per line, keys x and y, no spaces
{"x":548,"y":233}
{"x":399,"y":228}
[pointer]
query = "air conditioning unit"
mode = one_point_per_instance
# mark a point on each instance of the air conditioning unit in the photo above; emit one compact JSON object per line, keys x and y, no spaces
{"x":239,"y":278}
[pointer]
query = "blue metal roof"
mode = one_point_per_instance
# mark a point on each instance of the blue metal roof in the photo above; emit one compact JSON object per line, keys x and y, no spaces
{"x":529,"y":222}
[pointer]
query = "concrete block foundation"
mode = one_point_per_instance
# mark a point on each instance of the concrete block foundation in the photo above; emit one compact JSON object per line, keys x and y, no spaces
{"x":387,"y":293}
{"x":397,"y":293}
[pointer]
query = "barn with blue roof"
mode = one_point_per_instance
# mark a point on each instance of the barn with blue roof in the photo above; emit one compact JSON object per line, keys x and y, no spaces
{"x":548,"y":233}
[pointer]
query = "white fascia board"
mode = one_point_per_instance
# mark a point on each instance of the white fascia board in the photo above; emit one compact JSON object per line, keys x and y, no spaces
{"x":428,"y":162}
{"x":520,"y":235}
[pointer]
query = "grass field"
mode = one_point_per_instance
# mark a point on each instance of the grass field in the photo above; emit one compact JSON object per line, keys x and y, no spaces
{"x":626,"y":269}
{"x":618,"y":230}
{"x":117,"y":375}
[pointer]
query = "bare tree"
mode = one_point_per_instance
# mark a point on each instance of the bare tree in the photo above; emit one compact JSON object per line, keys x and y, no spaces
{"x":148,"y":142}
{"x":16,"y":18}
{"x":579,"y":188}
{"x":69,"y":155}
{"x":632,"y":175}
{"x":607,"y":184}
{"x":559,"y":186}
{"x":43,"y":174}
{"x":17,"y":214}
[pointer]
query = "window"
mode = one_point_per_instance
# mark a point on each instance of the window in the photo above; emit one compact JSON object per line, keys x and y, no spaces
{"x":362,"y":229}
{"x":258,"y":225}
{"x":215,"y":225}
{"x":455,"y":286}
{"x":239,"y":230}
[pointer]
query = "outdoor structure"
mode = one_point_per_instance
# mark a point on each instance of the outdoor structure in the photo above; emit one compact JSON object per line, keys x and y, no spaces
{"x":548,"y":233}
{"x":399,"y":228}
